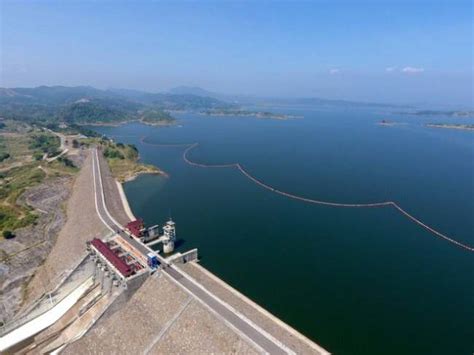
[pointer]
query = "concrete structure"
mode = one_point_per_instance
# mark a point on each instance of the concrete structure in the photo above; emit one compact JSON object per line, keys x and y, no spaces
{"x":246,"y":329}
{"x":169,"y":234}
{"x":151,"y":233}
{"x":178,"y":309}
{"x":183,"y":258}
{"x":50,"y":307}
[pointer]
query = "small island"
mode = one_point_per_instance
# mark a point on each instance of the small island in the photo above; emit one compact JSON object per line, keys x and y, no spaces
{"x":246,"y":113}
{"x":388,"y":123}
{"x":464,"y":127}
{"x":459,"y":113}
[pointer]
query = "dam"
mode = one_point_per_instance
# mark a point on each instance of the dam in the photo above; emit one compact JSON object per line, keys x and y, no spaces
{"x":126,"y":297}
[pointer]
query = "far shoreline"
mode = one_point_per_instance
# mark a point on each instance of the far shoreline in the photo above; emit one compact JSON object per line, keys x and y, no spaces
{"x":121,"y":123}
{"x":460,"y":127}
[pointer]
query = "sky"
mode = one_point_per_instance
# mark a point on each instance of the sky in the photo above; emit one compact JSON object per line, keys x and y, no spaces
{"x":379,"y":51}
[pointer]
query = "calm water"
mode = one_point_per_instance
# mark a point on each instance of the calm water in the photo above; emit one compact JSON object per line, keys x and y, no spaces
{"x":357,"y":281}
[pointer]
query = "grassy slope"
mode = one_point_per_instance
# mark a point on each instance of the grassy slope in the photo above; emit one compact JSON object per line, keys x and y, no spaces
{"x":124,"y":162}
{"x":21,"y":171}
{"x":123,"y":159}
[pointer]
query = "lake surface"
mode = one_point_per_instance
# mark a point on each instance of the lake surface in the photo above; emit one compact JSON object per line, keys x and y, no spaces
{"x":357,"y":281}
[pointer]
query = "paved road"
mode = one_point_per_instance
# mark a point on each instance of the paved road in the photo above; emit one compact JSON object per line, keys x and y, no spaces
{"x":242,"y":325}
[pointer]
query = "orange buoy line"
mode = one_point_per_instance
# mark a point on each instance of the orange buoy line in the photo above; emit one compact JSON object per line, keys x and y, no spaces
{"x":313,"y":201}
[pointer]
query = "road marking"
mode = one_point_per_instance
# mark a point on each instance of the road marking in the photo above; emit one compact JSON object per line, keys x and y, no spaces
{"x":218,"y":316}
{"x":182,"y":274}
{"x":95,"y":194}
{"x":260,"y":309}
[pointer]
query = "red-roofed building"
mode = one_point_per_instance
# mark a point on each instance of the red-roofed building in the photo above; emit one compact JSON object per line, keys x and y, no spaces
{"x":110,"y":256}
{"x":135,"y":227}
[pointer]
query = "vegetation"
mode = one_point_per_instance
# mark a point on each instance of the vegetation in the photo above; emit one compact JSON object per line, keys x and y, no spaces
{"x":46,"y":143}
{"x":4,"y":156}
{"x":113,"y":153}
{"x":24,"y":168}
{"x":66,"y":162}
{"x":155,"y":116}
{"x":444,"y":113}
{"x":52,"y":106}
{"x":14,"y":148}
{"x":238,"y":112}
{"x":186,"y":102}
{"x":12,"y":185}
{"x":7,"y":234}
{"x":123,"y":160}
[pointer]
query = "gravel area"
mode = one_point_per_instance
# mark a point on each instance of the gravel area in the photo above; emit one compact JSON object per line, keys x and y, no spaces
{"x":197,"y":331}
{"x":160,"y":318}
{"x":21,"y":256}
{"x":136,"y":324}
{"x":252,"y":311}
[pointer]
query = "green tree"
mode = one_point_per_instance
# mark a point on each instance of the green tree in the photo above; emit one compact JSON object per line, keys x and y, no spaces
{"x":7,"y":234}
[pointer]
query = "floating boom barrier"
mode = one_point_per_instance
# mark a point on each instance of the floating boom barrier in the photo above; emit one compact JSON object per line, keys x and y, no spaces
{"x":240,"y":168}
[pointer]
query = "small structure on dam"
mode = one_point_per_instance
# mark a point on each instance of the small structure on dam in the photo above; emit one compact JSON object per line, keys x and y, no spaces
{"x":151,"y":235}
{"x":115,"y":262}
{"x":169,"y":236}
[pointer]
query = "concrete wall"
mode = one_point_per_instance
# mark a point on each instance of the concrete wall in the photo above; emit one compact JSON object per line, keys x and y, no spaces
{"x":191,"y":255}
{"x":132,"y":286}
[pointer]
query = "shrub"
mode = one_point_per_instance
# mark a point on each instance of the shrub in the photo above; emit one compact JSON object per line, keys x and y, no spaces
{"x":67,"y":162}
{"x":37,"y":155}
{"x":4,"y":156}
{"x":112,"y":153}
{"x":8,"y":234}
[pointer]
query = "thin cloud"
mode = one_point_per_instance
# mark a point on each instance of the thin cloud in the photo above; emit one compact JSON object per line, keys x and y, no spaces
{"x":390,"y":69}
{"x":334,"y":71}
{"x":412,"y":70}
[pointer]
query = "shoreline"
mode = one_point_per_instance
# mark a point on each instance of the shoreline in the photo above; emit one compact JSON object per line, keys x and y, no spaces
{"x":121,"y":123}
{"x":258,"y":115}
{"x":123,"y":198}
{"x":450,"y":126}
{"x":281,"y":327}
{"x":144,"y":172}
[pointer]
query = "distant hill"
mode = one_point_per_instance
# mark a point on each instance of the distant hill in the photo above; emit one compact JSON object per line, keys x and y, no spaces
{"x":48,"y":105}
{"x":272,"y":101}
{"x":184,"y":102}
{"x":50,"y":95}
{"x":192,"y":90}
{"x":88,"y":105}
{"x":92,"y":111}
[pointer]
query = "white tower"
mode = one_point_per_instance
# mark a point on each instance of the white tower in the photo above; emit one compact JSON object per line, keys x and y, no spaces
{"x":169,"y":234}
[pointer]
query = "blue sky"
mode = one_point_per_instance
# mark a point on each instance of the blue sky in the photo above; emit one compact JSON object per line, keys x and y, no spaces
{"x":390,"y":51}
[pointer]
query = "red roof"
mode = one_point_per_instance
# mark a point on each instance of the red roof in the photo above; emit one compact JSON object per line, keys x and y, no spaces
{"x":108,"y":253}
{"x":135,"y":227}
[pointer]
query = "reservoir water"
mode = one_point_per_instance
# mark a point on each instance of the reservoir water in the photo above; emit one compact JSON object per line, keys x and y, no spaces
{"x":357,"y":281}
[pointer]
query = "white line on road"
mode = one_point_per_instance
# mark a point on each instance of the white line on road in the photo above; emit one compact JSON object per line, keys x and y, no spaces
{"x":259,"y":330}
